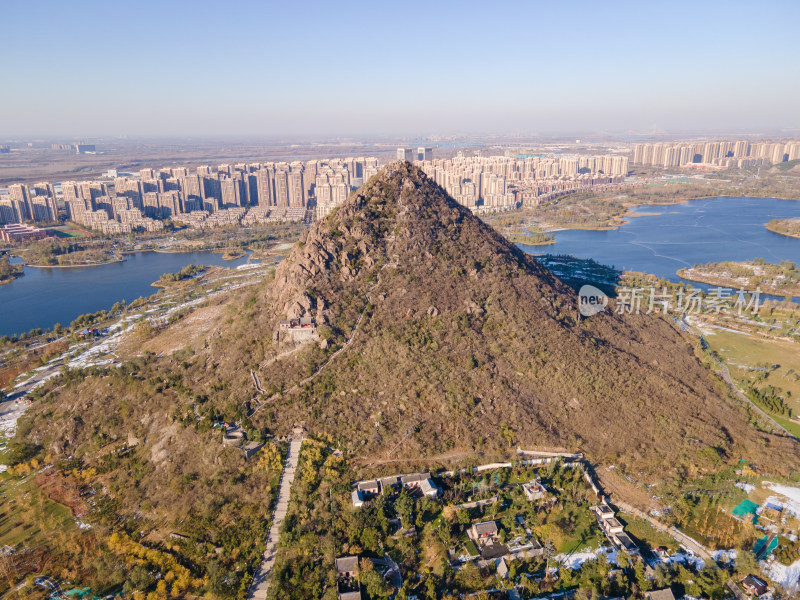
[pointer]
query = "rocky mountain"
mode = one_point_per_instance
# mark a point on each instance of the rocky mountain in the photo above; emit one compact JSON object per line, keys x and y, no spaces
{"x":437,"y":336}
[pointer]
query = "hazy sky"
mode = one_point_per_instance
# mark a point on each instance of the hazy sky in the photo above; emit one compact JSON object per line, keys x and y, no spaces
{"x":230,"y":68}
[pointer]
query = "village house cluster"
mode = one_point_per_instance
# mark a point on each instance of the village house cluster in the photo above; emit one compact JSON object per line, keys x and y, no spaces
{"x":419,"y":482}
{"x":613,"y":529}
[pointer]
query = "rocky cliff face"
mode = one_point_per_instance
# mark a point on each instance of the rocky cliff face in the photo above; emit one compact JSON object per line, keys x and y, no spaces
{"x":398,"y":220}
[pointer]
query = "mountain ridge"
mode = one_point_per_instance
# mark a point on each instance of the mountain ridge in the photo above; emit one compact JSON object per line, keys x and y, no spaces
{"x":464,"y":341}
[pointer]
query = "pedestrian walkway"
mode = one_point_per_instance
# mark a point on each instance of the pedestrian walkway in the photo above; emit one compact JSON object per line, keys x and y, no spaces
{"x":260,"y":585}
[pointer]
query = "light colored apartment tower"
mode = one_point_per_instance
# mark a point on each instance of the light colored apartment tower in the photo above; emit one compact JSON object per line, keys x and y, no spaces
{"x":281,"y":188}
{"x":672,"y":156}
{"x":297,"y":190}
{"x":89,"y":190}
{"x":777,"y":153}
{"x":638,"y":153}
{"x":687,"y":155}
{"x":232,"y":192}
{"x":741,"y":149}
{"x":406,"y":154}
{"x":310,"y":176}
{"x":568,"y":166}
{"x":170,"y":204}
{"x":44,"y":189}
{"x":22,"y":194}
{"x":264,"y":186}
{"x":424,"y":153}
{"x":619,"y":165}
{"x":47,"y":194}
{"x":43,"y":208}
{"x":10,"y":210}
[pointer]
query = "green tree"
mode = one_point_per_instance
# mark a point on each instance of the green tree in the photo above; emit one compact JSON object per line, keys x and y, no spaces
{"x":372,"y":580}
{"x":404,"y":505}
{"x":463,"y":518}
{"x":369,"y":539}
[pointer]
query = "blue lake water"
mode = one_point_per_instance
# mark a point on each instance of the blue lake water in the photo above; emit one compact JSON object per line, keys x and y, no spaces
{"x":44,"y":297}
{"x":699,"y":231}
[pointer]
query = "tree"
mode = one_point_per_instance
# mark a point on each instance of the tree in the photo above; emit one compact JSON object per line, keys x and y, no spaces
{"x":463,"y":518}
{"x":404,"y":505}
{"x":746,"y":562}
{"x":6,"y":268}
{"x":20,"y":451}
{"x":369,"y":538}
{"x":641,"y":577}
{"x":372,"y":580}
{"x":430,"y":587}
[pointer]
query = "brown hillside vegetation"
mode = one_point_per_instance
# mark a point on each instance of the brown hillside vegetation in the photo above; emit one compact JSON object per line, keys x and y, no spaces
{"x":458,"y":340}
{"x":438,"y":339}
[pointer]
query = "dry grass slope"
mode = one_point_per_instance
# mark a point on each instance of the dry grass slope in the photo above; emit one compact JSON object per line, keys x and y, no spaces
{"x":467,"y":343}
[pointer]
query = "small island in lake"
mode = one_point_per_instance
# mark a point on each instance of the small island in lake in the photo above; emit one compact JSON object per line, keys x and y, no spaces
{"x":788,"y":227}
{"x":233,"y":253}
{"x":780,"y":280}
{"x":534,"y":239}
{"x":187,"y":272}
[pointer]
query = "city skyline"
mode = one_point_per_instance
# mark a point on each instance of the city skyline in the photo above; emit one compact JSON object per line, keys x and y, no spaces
{"x":182,"y":68}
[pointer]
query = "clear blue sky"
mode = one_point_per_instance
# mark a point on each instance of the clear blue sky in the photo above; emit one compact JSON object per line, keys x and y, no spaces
{"x":231,"y":68}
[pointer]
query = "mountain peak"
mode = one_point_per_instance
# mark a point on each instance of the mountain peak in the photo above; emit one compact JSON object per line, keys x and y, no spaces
{"x":399,"y":219}
{"x":436,"y":333}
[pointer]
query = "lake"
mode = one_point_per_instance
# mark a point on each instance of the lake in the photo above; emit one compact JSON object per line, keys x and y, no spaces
{"x":44,"y":297}
{"x":681,"y":235}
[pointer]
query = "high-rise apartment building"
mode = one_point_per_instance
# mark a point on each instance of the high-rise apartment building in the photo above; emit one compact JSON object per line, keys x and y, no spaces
{"x":406,"y":154}
{"x":22,"y":194}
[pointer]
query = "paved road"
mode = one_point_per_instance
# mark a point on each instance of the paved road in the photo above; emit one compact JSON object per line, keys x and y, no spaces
{"x":477,"y":503}
{"x":49,"y":583}
{"x":394,"y":571}
{"x":726,"y":375}
{"x":258,"y":589}
{"x":676,"y":534}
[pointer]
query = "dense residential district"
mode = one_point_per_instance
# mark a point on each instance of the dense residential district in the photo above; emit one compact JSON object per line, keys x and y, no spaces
{"x":257,"y":193}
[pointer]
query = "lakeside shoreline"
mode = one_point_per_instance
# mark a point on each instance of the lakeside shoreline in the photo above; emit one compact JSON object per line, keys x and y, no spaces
{"x":520,"y":241}
{"x":127,"y":252}
{"x":631,"y":213}
{"x":11,"y":279}
{"x":110,"y":262}
{"x":698,"y":276}
{"x":770,"y":227}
